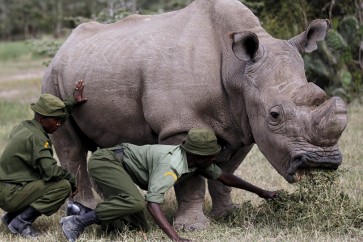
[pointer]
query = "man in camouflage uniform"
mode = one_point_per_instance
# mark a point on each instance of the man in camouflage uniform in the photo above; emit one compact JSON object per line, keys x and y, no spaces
{"x":31,"y":182}
{"x":155,"y":168}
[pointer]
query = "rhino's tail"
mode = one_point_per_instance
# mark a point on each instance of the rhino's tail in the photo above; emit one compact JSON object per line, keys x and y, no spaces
{"x":87,"y":142}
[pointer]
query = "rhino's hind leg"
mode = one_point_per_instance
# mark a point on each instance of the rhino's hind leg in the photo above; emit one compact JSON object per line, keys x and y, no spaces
{"x":190,"y":196}
{"x":72,"y":155}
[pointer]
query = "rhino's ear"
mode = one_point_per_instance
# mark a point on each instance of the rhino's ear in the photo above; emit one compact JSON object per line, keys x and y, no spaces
{"x":307,"y":40}
{"x":245,"y":45}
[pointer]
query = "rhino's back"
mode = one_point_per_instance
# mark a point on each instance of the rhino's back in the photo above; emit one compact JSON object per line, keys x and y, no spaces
{"x":190,"y":36}
{"x":160,"y":73}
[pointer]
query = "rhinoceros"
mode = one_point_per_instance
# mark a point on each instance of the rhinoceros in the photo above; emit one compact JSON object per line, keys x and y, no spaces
{"x":149,"y":79}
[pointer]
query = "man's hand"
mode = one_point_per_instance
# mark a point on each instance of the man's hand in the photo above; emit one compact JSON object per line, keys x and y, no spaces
{"x":268,"y":194}
{"x":78,"y":92}
{"x":160,"y":219}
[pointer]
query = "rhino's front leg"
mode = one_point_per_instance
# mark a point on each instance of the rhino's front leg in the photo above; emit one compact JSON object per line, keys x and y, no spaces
{"x":190,"y":196}
{"x":73,"y":157}
{"x":221,"y":194}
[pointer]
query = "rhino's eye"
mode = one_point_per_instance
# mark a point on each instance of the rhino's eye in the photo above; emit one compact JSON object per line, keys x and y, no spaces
{"x":274,"y":115}
{"x":275,"y":119}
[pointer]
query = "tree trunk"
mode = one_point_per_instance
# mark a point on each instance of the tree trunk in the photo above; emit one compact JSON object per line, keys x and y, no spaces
{"x":359,"y":9}
{"x":58,"y":25}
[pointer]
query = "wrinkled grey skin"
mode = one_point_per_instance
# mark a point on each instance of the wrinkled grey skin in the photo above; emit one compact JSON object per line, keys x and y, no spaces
{"x":149,"y":79}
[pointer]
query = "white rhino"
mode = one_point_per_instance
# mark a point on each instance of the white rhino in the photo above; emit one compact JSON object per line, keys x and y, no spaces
{"x":149,"y":79}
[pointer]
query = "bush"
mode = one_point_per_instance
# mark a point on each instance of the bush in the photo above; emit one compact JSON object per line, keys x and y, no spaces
{"x":12,"y":51}
{"x":45,"y":48}
{"x":335,"y":65}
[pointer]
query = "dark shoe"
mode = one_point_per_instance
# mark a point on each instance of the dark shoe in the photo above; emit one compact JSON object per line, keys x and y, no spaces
{"x":73,"y":226}
{"x":21,"y":224}
{"x":76,"y":208}
{"x":115,"y":226}
{"x":8,"y":217}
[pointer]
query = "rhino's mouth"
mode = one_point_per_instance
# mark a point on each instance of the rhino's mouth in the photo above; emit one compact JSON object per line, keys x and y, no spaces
{"x":303,"y":162}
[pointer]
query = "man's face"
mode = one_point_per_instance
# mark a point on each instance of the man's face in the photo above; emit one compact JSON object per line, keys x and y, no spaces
{"x":202,"y":162}
{"x":51,"y":124}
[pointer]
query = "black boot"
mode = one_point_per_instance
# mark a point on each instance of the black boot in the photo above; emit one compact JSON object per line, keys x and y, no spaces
{"x":8,"y":217}
{"x":76,"y":208}
{"x":21,"y":224}
{"x":74,"y":225}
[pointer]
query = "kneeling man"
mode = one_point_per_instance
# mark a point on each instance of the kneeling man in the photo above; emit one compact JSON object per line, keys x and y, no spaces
{"x":31,"y":182}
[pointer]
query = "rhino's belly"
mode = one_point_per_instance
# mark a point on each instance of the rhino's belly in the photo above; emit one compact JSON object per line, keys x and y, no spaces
{"x":109,"y":124}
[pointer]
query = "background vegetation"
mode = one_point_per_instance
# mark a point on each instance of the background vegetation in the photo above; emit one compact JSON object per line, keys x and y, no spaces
{"x":337,"y":65}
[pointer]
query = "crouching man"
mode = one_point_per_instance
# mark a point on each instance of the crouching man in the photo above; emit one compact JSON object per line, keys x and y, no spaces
{"x":155,"y":168}
{"x":31,"y":182}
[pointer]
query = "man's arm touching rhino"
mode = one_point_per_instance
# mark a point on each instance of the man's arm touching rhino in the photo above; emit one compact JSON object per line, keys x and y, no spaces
{"x":78,"y":92}
{"x":77,"y":98}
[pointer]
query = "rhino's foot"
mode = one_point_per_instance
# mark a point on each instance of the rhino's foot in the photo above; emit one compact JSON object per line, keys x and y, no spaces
{"x":191,"y":220}
{"x":86,"y":198}
{"x":218,"y":213}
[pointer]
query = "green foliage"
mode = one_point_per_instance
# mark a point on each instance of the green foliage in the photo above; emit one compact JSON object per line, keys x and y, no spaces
{"x":20,"y":19}
{"x":118,"y":13}
{"x":30,"y":49}
{"x":348,"y":29}
{"x":45,"y":47}
{"x":335,"y":41}
{"x":159,"y":6}
{"x":282,"y":19}
{"x":12,"y":51}
{"x":335,"y":65}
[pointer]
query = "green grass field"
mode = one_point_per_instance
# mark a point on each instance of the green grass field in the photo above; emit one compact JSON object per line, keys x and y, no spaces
{"x":17,"y":94}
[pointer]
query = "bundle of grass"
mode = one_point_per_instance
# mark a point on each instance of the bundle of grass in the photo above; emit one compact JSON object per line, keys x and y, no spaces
{"x":316,"y":205}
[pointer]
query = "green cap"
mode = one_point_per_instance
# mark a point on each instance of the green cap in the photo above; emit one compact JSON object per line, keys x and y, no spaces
{"x":50,"y":106}
{"x":201,"y":141}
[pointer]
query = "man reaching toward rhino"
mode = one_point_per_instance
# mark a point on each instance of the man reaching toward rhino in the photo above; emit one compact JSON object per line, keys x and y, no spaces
{"x":155,"y":168}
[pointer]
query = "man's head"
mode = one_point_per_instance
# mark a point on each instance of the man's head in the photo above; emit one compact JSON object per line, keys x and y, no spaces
{"x":50,"y":112}
{"x":201,"y":146}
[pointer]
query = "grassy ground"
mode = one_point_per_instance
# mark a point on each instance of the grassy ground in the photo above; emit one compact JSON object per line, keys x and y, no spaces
{"x":17,"y":93}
